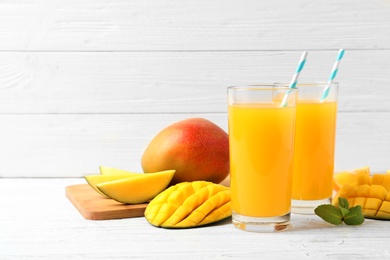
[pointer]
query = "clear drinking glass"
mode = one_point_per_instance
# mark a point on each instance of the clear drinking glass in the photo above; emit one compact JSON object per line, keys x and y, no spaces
{"x":314,"y":146}
{"x":261,"y":144}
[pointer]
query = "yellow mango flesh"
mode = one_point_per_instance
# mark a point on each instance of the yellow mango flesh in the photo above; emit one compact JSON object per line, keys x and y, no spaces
{"x":353,"y":177}
{"x":374,"y":199}
{"x":381,"y":179}
{"x":137,"y":189}
{"x":94,"y":180}
{"x":384,"y":211}
{"x":189,"y":204}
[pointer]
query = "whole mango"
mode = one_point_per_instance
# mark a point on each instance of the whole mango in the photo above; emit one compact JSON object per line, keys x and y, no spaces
{"x":196,"y":148}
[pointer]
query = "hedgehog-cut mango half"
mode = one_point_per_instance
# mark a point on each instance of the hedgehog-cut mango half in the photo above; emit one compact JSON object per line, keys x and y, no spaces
{"x":189,"y":204}
{"x":374,"y":199}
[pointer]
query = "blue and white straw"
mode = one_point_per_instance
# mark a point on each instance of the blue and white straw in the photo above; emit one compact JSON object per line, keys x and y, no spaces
{"x":333,"y":74}
{"x":294,"y":80}
{"x":301,"y":64}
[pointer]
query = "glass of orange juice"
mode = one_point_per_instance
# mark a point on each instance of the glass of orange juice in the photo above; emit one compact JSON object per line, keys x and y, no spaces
{"x":314,"y":146}
{"x":261,"y":146}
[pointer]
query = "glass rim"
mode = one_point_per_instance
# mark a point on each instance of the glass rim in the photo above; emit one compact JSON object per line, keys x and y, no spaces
{"x":270,"y":86}
{"x":309,"y":84}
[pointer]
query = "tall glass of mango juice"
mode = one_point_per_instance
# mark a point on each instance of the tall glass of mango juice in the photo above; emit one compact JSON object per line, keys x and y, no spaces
{"x":261,"y":146}
{"x":314,"y":147}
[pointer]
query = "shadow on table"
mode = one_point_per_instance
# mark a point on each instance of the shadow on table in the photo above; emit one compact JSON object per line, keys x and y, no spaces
{"x":309,"y":224}
{"x":301,"y":223}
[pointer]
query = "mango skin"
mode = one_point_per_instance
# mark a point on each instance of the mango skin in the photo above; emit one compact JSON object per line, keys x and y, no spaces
{"x":196,"y":148}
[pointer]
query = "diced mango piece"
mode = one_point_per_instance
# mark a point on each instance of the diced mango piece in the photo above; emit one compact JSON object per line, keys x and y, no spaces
{"x":381,"y":179}
{"x":350,"y":191}
{"x":346,"y":191}
{"x":189,"y":204}
{"x":199,"y":214}
{"x":351,"y":201}
{"x":377,"y":179}
{"x":363,"y":190}
{"x":385,"y":207}
{"x":374,"y":199}
{"x":373,"y":203}
{"x":378,"y":191}
{"x":162,"y":214}
{"x":360,"y":201}
{"x":386,"y":182}
{"x":384,"y":211}
{"x":222,"y":212}
{"x":369,"y":212}
{"x":353,"y":177}
{"x":381,"y":215}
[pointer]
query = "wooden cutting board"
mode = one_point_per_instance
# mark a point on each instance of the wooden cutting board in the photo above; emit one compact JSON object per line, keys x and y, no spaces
{"x":93,"y":206}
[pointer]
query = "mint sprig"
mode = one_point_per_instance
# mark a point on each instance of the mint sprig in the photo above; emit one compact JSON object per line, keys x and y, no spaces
{"x":330,"y":214}
{"x":342,"y":213}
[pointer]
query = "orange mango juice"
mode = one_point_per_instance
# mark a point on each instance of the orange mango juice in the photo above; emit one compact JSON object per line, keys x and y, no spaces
{"x":314,"y":150}
{"x":261,"y":139}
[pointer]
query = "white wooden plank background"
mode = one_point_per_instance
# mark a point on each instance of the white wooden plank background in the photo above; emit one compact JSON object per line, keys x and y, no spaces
{"x":171,"y":82}
{"x":193,"y":25}
{"x":85,"y":83}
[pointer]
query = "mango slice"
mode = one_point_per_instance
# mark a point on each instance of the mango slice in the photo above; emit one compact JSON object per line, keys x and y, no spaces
{"x":137,"y":189}
{"x":374,"y":199}
{"x":94,"y":180}
{"x":189,"y":204}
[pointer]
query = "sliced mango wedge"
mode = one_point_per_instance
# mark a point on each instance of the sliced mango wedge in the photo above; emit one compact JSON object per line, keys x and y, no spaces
{"x":94,"y":180}
{"x":137,"y":188}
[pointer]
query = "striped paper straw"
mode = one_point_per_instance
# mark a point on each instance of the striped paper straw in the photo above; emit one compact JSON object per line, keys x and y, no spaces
{"x":333,"y":74}
{"x":294,"y":80}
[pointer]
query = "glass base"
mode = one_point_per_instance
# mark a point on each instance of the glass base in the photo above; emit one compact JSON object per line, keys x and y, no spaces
{"x":307,"y":206}
{"x":258,"y":224}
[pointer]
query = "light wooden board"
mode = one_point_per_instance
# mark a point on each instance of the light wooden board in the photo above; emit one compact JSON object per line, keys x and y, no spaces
{"x":93,"y":206}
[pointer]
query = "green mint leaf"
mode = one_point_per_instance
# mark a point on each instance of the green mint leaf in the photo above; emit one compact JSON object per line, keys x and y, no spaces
{"x":355,"y":216}
{"x":330,"y":214}
{"x":343,"y":203}
{"x":344,"y":211}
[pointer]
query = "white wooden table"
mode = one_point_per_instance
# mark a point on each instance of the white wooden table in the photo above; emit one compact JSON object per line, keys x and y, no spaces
{"x":38,"y":222}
